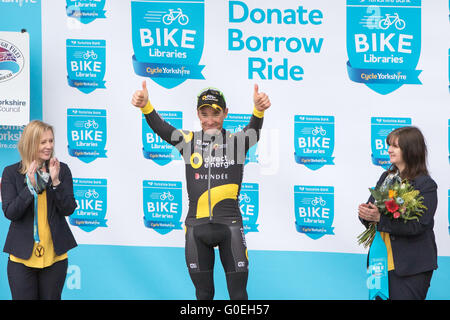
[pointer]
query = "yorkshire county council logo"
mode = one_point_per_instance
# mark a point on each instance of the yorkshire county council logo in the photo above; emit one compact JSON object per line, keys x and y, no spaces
{"x":85,"y":11}
{"x":168,"y":38}
{"x":162,"y":204}
{"x":314,"y":210}
{"x":86,"y":64}
{"x":11,"y":60}
{"x":154,"y":147}
{"x":249,"y":206}
{"x":380,"y":129}
{"x":314,"y":140}
{"x":90,"y":196}
{"x":236,"y":122}
{"x":86,"y":134}
{"x":383,"y":43}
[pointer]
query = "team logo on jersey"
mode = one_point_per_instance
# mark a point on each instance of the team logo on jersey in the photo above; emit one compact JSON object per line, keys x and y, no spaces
{"x":90,"y":196}
{"x":249,"y":205}
{"x":314,"y":140}
{"x":380,"y":129}
{"x":86,"y":134}
{"x":85,"y":11}
{"x":162,"y":205}
{"x":11,"y":60}
{"x":235,"y":123}
{"x":383,"y":43}
{"x":314,"y":210}
{"x":86,"y":64}
{"x":154,"y":147}
{"x":168,"y":39}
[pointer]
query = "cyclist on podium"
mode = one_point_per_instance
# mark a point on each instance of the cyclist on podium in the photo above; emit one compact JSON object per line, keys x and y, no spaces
{"x":214,"y":159}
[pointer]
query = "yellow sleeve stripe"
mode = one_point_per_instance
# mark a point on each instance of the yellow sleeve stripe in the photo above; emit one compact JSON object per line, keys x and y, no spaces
{"x":257,"y":113}
{"x":148,"y":108}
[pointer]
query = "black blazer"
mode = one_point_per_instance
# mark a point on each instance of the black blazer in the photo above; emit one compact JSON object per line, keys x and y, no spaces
{"x":17,"y":205}
{"x":413,"y":243}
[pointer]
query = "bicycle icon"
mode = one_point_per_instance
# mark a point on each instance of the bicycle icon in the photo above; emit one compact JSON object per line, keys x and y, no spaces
{"x":175,"y":15}
{"x":90,"y":54}
{"x":318,"y":200}
{"x":166,"y":195}
{"x":91,"y":193}
{"x":91,"y":123}
{"x":390,"y":20}
{"x":244,"y":197}
{"x":318,"y":130}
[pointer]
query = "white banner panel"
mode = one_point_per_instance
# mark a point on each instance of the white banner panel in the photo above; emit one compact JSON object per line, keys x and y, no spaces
{"x":319,"y":151}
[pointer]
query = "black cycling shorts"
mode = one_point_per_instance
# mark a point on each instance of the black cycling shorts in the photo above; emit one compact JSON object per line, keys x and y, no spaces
{"x":229,"y":237}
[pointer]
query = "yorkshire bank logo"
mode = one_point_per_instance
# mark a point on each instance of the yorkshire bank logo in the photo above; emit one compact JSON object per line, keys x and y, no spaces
{"x":383,"y":43}
{"x":168,"y":40}
{"x":11,"y":61}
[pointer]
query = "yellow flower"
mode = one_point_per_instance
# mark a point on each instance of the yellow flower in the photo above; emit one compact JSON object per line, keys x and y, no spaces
{"x":392,"y":193}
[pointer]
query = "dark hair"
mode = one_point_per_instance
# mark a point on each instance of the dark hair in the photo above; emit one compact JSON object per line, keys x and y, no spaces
{"x":414,"y":151}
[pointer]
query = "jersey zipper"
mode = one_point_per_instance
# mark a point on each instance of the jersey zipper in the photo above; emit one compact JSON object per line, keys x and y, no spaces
{"x":209,"y":183}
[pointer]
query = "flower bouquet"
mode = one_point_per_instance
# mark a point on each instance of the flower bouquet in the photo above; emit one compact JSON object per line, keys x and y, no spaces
{"x":399,"y":201}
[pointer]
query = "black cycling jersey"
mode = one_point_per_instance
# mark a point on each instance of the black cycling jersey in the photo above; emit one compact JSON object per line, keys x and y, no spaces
{"x":214,"y":166}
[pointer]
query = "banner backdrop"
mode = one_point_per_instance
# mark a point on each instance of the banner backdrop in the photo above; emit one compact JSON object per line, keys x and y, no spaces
{"x":341,"y":74}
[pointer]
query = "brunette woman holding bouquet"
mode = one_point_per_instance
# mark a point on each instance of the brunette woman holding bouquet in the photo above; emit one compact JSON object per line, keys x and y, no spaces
{"x":411,"y":246}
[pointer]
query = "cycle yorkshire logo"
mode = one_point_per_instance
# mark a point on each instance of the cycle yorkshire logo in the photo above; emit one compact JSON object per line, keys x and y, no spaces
{"x":86,"y":134}
{"x":168,"y":40}
{"x":90,"y":196}
{"x":154,"y":147}
{"x":162,"y":205}
{"x":314,"y":210}
{"x":86,"y":64}
{"x":85,"y":11}
{"x":383,"y":43}
{"x":314,"y":140}
{"x":11,"y":60}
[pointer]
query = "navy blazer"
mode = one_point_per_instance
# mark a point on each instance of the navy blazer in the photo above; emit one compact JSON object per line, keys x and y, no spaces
{"x":413,"y":243}
{"x":18,"y":206}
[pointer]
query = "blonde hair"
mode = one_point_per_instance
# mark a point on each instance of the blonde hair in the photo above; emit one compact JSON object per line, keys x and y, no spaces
{"x":30,"y":139}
